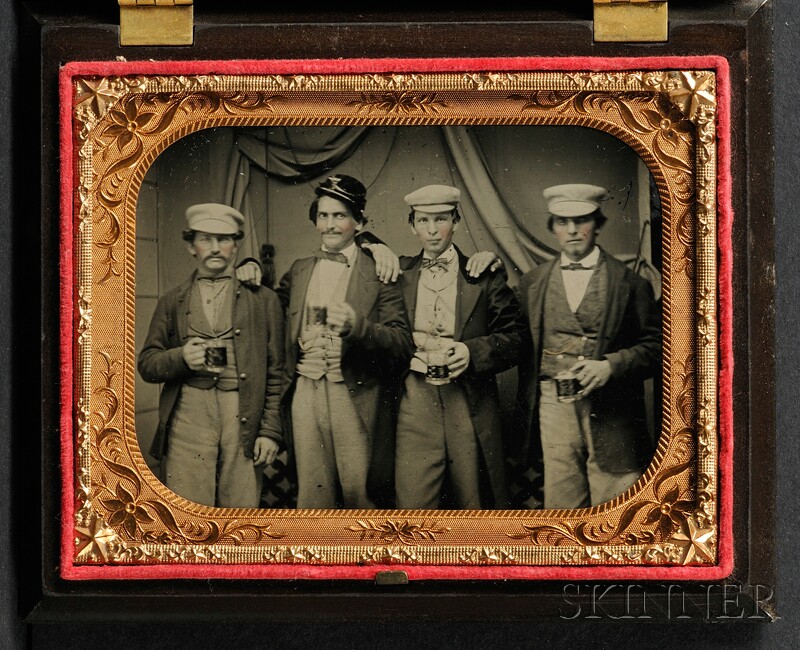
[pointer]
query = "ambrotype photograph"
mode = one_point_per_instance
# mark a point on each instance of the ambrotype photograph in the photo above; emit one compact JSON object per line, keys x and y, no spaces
{"x":432,"y":320}
{"x":519,"y":278}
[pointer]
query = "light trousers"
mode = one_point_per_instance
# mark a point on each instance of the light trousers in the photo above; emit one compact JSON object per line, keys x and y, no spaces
{"x":435,"y":439}
{"x":332,"y":448}
{"x":572,"y":476}
{"x":205,"y":462}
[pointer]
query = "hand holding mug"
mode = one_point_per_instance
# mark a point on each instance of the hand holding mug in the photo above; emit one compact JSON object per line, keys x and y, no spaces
{"x":194,"y":353}
{"x":341,"y":318}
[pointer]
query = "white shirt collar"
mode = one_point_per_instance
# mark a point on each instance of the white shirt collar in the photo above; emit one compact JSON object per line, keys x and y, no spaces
{"x":447,"y":255}
{"x":349,"y":252}
{"x":588,"y":262}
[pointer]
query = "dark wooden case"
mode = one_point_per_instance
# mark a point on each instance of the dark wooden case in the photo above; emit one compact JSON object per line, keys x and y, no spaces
{"x":52,"y":35}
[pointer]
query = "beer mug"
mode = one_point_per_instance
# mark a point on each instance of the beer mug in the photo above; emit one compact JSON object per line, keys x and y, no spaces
{"x":216,"y":355}
{"x":438,"y":372}
{"x":316,"y":317}
{"x":568,"y":388}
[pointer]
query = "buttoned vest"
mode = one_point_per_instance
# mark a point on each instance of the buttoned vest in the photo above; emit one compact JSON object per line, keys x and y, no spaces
{"x":568,"y":336}
{"x":199,"y":326}
{"x":320,"y":352}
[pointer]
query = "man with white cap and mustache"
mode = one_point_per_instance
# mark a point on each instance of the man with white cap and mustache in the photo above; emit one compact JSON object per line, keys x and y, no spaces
{"x":595,"y":336}
{"x":218,"y":350}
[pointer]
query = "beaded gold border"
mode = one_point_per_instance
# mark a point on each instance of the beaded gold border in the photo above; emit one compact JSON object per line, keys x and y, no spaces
{"x":123,"y":515}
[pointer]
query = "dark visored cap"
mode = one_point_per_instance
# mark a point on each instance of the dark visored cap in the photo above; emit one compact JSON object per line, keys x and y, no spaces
{"x":346,"y":189}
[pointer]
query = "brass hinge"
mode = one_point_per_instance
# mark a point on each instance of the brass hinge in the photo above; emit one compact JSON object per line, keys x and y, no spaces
{"x":156,"y":22}
{"x":630,"y":21}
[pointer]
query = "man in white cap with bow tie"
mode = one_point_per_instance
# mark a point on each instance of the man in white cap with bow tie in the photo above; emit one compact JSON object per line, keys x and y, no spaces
{"x":347,"y":342}
{"x":218,"y":350}
{"x":595,"y":336}
{"x":449,"y":429}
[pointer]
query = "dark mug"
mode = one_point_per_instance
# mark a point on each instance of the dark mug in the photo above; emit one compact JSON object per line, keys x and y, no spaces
{"x":438,"y":371}
{"x":316,"y":316}
{"x":568,"y":388}
{"x":216,"y":357}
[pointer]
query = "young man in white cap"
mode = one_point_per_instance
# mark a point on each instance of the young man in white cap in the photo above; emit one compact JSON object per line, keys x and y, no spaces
{"x":218,"y":350}
{"x":347,"y":343}
{"x":449,"y":428}
{"x":595,"y":334}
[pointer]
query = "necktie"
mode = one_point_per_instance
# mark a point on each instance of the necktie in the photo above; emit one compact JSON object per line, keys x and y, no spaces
{"x":433,"y":265}
{"x":333,"y":257}
{"x":214,"y":278}
{"x":576,"y":266}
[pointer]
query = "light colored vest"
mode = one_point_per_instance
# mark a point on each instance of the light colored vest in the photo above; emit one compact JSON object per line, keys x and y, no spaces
{"x":321,"y":349}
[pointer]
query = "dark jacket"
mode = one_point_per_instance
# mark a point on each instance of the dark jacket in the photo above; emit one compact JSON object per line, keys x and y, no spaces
{"x":258,"y":343}
{"x":630,"y":338}
{"x":375,"y":354}
{"x":489,"y":322}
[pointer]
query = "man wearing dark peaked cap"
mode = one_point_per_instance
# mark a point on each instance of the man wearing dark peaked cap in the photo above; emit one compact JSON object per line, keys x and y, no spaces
{"x":449,"y":434}
{"x":219,"y":422}
{"x":347,"y":342}
{"x":592,"y":319}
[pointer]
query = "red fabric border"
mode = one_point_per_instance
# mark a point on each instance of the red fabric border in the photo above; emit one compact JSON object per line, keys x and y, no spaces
{"x":68,"y":295}
{"x":68,"y":321}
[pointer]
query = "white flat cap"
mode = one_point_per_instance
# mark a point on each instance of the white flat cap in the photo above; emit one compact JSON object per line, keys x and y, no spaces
{"x":433,"y":198}
{"x":574,"y":200}
{"x":214,"y":218}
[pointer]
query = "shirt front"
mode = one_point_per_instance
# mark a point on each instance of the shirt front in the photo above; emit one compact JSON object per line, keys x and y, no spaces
{"x":329,"y":272}
{"x":435,"y":314}
{"x":211,"y":318}
{"x":214,"y":292}
{"x":576,"y":281}
{"x":321,"y":349}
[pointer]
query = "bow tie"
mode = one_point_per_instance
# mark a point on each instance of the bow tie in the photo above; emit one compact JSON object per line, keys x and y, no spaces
{"x":576,"y":266}
{"x":333,"y":257}
{"x":438,"y":263}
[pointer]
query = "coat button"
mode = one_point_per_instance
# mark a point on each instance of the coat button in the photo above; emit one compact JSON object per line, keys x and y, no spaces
{"x":243,"y":376}
{"x":581,"y":358}
{"x":244,"y":420}
{"x":584,"y":338}
{"x":237,"y":331}
{"x":560,"y":356}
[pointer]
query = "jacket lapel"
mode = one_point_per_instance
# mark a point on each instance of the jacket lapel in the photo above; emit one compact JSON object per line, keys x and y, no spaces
{"x":182,"y":315}
{"x":297,"y":296}
{"x":409,"y":281}
{"x":535,"y":299}
{"x":467,"y":295}
{"x":618,"y":291}
{"x":364,"y":286}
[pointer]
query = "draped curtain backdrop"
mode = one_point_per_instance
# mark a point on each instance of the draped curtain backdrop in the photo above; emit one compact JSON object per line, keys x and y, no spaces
{"x":277,"y":157}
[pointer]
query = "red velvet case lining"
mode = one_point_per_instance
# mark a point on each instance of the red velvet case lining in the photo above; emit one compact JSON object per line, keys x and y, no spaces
{"x":68,"y":320}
